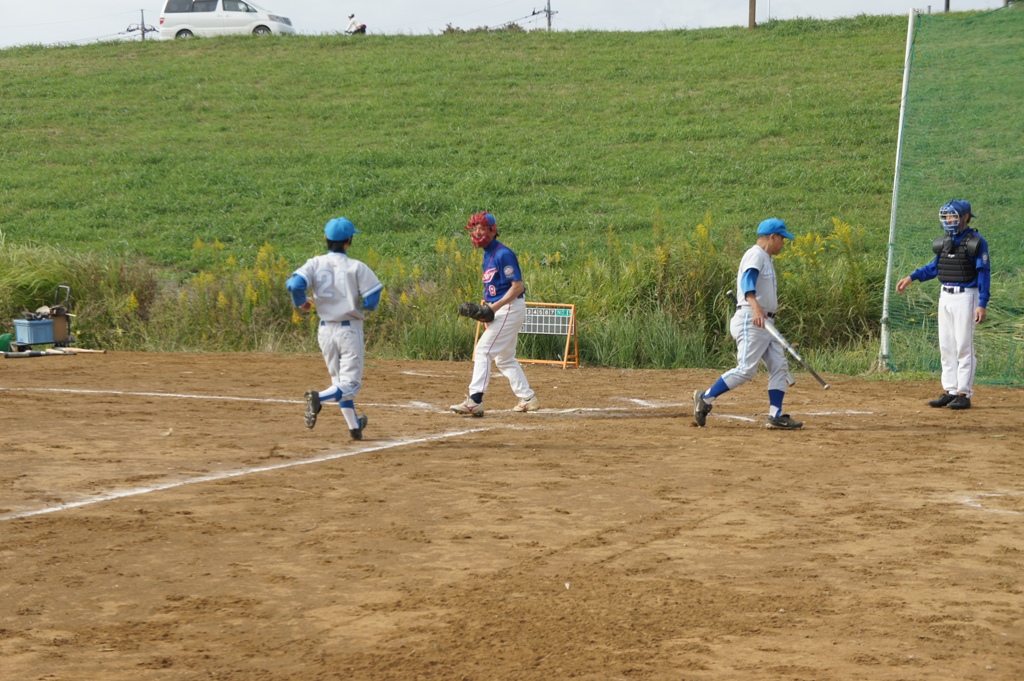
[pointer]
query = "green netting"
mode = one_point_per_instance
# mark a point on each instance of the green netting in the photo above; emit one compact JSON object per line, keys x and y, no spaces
{"x":963,"y":138}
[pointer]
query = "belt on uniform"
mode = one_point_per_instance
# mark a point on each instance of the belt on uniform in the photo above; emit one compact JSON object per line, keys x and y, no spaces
{"x":954,"y":289}
{"x":324,"y":322}
{"x":769,"y":315}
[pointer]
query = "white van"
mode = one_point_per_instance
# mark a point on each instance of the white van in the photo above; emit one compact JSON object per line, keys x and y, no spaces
{"x":186,"y":18}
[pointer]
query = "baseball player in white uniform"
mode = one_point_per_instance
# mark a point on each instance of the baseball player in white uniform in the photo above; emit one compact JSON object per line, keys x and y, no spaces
{"x":758,"y":301}
{"x":338,"y":283}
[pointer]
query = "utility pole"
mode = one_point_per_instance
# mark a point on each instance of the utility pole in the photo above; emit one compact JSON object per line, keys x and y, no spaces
{"x":546,"y":12}
{"x":549,"y":13}
{"x":141,"y":26}
{"x":753,"y":14}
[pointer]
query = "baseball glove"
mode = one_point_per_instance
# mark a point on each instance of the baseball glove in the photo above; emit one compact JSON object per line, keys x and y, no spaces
{"x":481,"y":313}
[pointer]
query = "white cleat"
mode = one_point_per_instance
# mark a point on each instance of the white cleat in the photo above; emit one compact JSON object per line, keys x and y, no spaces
{"x":468,"y":408}
{"x":532,"y":404}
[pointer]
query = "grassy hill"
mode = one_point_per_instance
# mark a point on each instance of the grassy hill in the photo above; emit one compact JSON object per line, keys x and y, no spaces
{"x":627,"y":169}
{"x":142,"y":147}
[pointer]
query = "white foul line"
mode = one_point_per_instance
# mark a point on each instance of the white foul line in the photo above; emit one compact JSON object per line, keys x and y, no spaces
{"x":188,"y":396}
{"x":128,"y":393}
{"x":110,"y":496}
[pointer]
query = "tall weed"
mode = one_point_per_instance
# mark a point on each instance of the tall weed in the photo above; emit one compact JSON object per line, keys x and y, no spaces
{"x":661,"y":307}
{"x":229,"y":306}
{"x":111,"y":297}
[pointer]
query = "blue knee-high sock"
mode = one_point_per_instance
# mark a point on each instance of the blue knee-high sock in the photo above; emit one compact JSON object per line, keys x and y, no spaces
{"x":714,"y":391}
{"x":775,"y":402}
{"x":348,"y":410}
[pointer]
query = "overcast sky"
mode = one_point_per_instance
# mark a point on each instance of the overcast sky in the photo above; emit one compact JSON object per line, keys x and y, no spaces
{"x":81,"y":21}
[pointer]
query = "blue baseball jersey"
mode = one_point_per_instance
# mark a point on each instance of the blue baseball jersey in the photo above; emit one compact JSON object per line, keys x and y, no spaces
{"x":500,"y":269}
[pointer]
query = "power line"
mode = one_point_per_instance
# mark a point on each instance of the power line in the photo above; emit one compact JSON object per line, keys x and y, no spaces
{"x":69,"y":21}
{"x":455,"y":16}
{"x":533,"y":17}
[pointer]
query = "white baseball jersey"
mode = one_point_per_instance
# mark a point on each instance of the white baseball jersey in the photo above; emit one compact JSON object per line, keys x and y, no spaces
{"x":338,"y":282}
{"x":765,"y":289}
{"x":754,"y":344}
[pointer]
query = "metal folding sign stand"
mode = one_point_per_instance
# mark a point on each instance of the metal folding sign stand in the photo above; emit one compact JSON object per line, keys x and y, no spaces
{"x":550,"y":319}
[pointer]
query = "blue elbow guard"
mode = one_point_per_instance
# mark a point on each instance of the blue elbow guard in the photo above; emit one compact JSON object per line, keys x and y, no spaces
{"x":296,"y":285}
{"x":371,"y":301}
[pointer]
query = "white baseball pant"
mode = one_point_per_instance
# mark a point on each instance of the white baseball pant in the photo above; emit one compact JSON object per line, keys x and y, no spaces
{"x":498,"y":342}
{"x":341,"y":344}
{"x":956,"y":340}
{"x":754,"y":344}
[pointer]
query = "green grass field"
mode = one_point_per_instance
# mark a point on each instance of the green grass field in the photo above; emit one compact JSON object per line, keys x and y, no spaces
{"x":628,"y":170}
{"x":143,"y":147}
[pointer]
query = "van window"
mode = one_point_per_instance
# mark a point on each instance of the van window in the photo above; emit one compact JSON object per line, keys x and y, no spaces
{"x":204,"y":6}
{"x":176,"y":6}
{"x":236,"y":6}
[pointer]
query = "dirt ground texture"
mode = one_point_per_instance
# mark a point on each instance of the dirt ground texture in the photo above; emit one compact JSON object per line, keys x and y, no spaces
{"x":168,"y":516}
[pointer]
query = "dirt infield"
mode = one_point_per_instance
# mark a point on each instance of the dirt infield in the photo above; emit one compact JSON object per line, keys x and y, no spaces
{"x":169,"y":517}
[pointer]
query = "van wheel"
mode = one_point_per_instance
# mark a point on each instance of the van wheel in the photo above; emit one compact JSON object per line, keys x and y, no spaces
{"x":261,"y":30}
{"x":183,"y":33}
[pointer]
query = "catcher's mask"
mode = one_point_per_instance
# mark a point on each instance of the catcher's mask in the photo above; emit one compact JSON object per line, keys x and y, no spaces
{"x":482,"y":228}
{"x":953,"y":216}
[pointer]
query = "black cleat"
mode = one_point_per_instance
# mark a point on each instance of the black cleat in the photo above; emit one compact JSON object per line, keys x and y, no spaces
{"x":783,"y":422}
{"x":357,"y":433}
{"x":960,"y":402}
{"x":312,"y":407}
{"x":942,"y":401}
{"x":701,"y":409}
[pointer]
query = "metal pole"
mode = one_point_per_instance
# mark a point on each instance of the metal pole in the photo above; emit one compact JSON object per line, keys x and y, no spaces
{"x":549,"y":16}
{"x":142,"y":23}
{"x":883,"y":351}
{"x":752,"y":23}
{"x":947,"y":6}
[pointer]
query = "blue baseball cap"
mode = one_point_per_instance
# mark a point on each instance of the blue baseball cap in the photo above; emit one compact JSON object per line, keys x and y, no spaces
{"x":340,"y":229}
{"x":961,"y":207}
{"x":773,"y":226}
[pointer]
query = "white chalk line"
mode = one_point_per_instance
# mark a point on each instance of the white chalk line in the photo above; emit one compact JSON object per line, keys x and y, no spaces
{"x":735,"y":417}
{"x":975,"y":502}
{"x":409,"y":405}
{"x":189,"y":396}
{"x":214,"y":477}
{"x":129,"y":393}
{"x":645,"y":403}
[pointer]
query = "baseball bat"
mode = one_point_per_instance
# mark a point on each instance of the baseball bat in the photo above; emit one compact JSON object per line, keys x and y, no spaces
{"x":769,"y":326}
{"x":790,"y":380}
{"x":34,"y":353}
